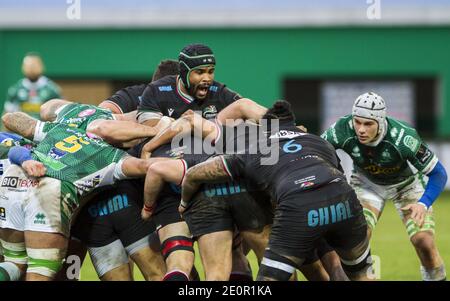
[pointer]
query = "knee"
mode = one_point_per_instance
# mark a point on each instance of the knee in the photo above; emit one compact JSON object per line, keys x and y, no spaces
{"x":423,"y":241}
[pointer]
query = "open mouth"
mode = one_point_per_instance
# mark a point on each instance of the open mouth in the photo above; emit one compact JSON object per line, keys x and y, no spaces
{"x":202,"y":90}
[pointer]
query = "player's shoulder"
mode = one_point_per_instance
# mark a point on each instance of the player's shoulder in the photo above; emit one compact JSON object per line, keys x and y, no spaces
{"x":217,"y":86}
{"x":340,"y":131}
{"x":402,"y":135}
{"x":133,"y":90}
{"x":165,"y":84}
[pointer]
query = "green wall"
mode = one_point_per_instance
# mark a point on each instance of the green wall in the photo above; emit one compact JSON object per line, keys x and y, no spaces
{"x":251,"y":61}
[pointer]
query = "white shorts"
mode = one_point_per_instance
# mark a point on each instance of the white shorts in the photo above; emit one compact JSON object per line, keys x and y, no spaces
{"x":30,"y":204}
{"x":407,"y":192}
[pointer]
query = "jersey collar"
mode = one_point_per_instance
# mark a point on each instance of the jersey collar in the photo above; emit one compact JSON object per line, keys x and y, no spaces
{"x":184,"y":97}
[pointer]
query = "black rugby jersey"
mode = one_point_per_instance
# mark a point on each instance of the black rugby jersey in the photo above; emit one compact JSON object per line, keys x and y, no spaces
{"x":305,"y":162}
{"x":128,"y":98}
{"x":165,"y":97}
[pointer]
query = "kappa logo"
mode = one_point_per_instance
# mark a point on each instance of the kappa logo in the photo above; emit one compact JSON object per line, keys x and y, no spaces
{"x":170,"y":111}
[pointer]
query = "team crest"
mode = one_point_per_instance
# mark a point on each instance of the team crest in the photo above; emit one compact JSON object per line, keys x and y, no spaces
{"x":210,"y":112}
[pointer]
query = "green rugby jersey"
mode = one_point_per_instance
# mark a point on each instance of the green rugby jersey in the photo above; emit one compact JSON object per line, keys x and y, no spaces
{"x":80,"y":115}
{"x":386,"y":163}
{"x":27,"y":96}
{"x":74,"y":156}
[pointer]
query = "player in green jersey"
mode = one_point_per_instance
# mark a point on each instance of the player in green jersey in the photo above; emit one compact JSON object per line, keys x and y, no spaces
{"x":382,"y":149}
{"x":117,"y":129}
{"x":75,"y":163}
{"x":29,"y":93}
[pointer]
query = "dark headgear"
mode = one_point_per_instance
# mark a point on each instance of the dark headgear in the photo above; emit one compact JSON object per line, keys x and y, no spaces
{"x":194,"y":56}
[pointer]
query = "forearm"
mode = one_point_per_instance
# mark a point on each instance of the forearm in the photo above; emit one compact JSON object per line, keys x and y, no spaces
{"x":436,"y":184}
{"x":20,"y":123}
{"x":120,"y":130}
{"x":152,"y":188}
{"x":179,"y":127}
{"x":244,"y":109}
{"x":211,"y":171}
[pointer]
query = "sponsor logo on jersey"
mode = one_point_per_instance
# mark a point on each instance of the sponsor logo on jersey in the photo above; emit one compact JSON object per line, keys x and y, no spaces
{"x":16,"y":182}
{"x":2,"y":214}
{"x":213,"y":88}
{"x":170,"y":111}
{"x":376,"y":170}
{"x":56,"y":153}
{"x":411,"y":142}
{"x":224,"y":189}
{"x":284,"y":134}
{"x":402,"y":132}
{"x":210,"y":112}
{"x":87,"y":112}
{"x":305,"y":182}
{"x":39,"y":218}
{"x":90,"y":184}
{"x":165,"y":88}
{"x":386,"y":155}
{"x":329,"y":215}
{"x":423,"y":154}
{"x":356,"y":152}
{"x":114,"y":204}
{"x":74,"y":121}
{"x":394,"y":132}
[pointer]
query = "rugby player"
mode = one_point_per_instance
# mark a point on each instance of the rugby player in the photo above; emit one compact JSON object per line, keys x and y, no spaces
{"x":195,"y":89}
{"x":74,"y":163}
{"x":304,"y":181}
{"x":382,"y":149}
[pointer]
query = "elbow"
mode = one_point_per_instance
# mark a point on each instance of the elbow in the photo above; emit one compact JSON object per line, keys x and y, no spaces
{"x":101,"y":130}
{"x":6,"y":118}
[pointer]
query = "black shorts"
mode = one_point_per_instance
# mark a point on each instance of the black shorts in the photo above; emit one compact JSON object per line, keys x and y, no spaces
{"x":221,"y":207}
{"x":113,"y":214}
{"x":332,"y":212}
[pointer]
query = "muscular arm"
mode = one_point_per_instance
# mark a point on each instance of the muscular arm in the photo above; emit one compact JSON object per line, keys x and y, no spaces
{"x":159,"y":173}
{"x":118,"y":131}
{"x":211,"y":171}
{"x":20,"y":123}
{"x":242,"y":109}
{"x":183,"y":125}
{"x":48,"y":109}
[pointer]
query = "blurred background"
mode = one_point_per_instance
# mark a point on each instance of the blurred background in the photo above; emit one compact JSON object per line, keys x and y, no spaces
{"x":319,"y":55}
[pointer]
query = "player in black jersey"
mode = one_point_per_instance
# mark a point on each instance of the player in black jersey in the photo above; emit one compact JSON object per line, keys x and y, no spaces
{"x":313,"y":199}
{"x":194,"y":89}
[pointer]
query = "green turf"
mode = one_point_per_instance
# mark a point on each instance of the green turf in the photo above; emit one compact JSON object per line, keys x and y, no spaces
{"x":398,"y":260}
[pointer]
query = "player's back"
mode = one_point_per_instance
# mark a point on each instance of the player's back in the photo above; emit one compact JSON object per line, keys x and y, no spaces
{"x":72,"y":155}
{"x":81,"y":115}
{"x":302,"y":161}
